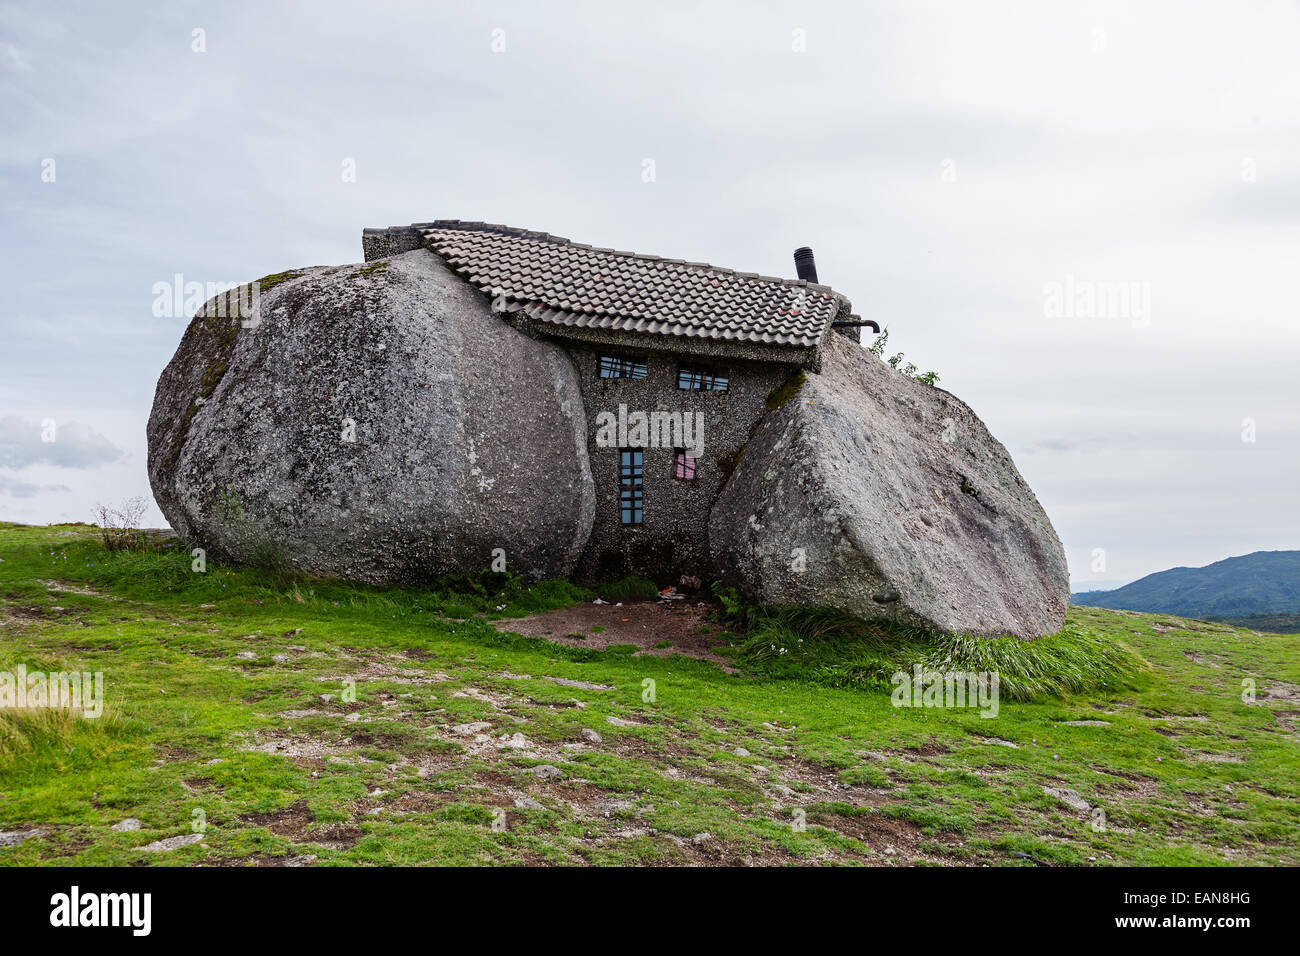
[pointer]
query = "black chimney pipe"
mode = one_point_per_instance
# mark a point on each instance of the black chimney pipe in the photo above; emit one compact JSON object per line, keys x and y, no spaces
{"x":804,"y":264}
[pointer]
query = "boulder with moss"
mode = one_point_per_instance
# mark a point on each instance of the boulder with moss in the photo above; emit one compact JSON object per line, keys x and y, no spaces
{"x":376,"y":423}
{"x":878,"y":495}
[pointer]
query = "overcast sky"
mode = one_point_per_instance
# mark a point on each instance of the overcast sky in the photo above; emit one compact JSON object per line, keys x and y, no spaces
{"x":984,"y":179}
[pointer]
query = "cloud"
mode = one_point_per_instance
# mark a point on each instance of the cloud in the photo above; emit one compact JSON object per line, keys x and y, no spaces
{"x":1095,"y":140}
{"x":24,"y":489}
{"x":13,"y":59}
{"x":73,"y":445}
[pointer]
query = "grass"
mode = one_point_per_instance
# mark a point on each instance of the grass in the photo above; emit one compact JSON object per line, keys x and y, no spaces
{"x":331,"y":722}
{"x":630,"y":588}
{"x":827,"y":647}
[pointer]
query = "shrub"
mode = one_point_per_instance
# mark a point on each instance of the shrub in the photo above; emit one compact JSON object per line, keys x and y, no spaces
{"x":119,"y":527}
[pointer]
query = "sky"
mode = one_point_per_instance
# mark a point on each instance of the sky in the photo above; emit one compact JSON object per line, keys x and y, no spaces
{"x":1084,"y":216}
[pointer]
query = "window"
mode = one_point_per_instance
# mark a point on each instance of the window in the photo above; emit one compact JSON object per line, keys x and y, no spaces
{"x":631,"y":495}
{"x":698,"y":377}
{"x":618,"y":366}
{"x":683,"y":466}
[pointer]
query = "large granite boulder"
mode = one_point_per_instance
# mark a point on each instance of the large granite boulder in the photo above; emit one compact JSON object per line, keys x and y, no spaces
{"x":376,"y":423}
{"x":888,"y":498}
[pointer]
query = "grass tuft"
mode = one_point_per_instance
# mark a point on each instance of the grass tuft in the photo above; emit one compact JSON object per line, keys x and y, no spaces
{"x":829,"y":647}
{"x":34,"y":731}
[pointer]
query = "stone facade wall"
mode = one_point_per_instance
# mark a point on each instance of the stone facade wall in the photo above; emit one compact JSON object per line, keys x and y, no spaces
{"x":673,"y":537}
{"x":382,"y":243}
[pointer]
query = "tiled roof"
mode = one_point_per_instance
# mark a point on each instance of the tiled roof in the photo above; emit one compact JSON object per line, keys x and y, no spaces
{"x":567,"y":283}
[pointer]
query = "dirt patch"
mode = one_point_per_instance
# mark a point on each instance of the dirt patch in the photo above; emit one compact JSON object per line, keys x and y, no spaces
{"x":1202,"y":756}
{"x":302,"y":746}
{"x":295,"y":822}
{"x":704,"y":850}
{"x":66,"y":587}
{"x":876,"y":830}
{"x":684,"y":626}
{"x":23,"y":614}
{"x":1281,"y":690}
{"x":928,"y":749}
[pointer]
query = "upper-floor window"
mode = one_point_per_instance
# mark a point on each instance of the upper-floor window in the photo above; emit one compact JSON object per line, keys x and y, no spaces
{"x":620,"y":366}
{"x":701,"y":377}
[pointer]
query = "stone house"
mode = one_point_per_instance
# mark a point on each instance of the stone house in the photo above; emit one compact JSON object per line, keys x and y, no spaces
{"x":677,"y":362}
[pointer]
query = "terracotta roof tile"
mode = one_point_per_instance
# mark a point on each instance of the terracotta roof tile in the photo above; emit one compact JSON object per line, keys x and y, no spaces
{"x":567,"y":283}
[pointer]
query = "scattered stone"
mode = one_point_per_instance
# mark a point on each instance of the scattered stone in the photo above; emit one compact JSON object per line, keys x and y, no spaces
{"x":1068,"y":797}
{"x":528,"y":803}
{"x":477,"y":727}
{"x":247,"y":655}
{"x":516,"y":741}
{"x":15,"y":837}
{"x":566,"y":682}
{"x":591,"y":736}
{"x":1085,"y":723}
{"x":742,"y":752}
{"x":620,"y":722}
{"x":546,"y":772}
{"x":128,"y":825}
{"x":297,"y":861}
{"x":173,"y":843}
{"x":998,"y":741}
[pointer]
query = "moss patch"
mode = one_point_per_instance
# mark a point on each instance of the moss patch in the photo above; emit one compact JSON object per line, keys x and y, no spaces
{"x":727,"y":463}
{"x":212,"y":334}
{"x":267,"y":283}
{"x":779,"y":396}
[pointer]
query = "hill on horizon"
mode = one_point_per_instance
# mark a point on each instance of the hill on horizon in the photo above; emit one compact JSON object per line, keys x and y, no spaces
{"x":1261,"y":583}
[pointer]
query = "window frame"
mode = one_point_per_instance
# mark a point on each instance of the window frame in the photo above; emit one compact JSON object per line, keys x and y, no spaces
{"x":692,"y":377}
{"x":620,"y":366}
{"x":680,"y":460}
{"x":631,"y":487}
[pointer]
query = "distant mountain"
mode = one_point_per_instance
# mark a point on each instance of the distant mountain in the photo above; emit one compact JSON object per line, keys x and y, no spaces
{"x":1083,"y":586}
{"x":1263,"y":583}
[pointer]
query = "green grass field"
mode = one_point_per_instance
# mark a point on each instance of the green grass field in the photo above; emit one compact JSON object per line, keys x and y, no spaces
{"x":320,"y":724}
